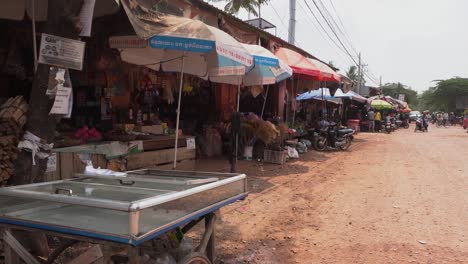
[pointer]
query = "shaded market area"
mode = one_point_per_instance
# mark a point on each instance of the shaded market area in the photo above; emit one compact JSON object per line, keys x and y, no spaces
{"x":135,"y":132}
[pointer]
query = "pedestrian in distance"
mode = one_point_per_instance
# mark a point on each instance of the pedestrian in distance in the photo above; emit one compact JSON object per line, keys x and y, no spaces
{"x":378,"y":121}
{"x":446,"y":119}
{"x":371,"y":118}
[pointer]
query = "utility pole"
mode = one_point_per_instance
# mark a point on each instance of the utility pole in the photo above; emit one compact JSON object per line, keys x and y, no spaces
{"x":359,"y":74}
{"x":292,"y":22}
{"x":381,"y":88}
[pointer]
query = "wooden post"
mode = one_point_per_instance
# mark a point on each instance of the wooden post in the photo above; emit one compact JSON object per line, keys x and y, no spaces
{"x":210,"y":222}
{"x":14,"y":250}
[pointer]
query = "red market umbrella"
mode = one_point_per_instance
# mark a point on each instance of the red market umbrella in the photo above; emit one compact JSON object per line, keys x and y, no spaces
{"x":299,"y":64}
{"x":328,"y":74}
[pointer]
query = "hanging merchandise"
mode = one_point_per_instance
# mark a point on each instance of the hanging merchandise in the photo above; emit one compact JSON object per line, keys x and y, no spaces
{"x":188,"y":88}
{"x":166,"y":85}
{"x":256,"y":90}
{"x":148,"y":97}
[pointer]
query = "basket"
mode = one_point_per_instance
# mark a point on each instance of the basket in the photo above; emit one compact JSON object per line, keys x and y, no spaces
{"x":274,"y":156}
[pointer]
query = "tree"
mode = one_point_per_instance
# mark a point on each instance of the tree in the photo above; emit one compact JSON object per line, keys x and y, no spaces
{"x":62,"y":21}
{"x":443,"y":96}
{"x":233,"y":6}
{"x":332,"y":64}
{"x":395,"y":89}
{"x":352,"y":73}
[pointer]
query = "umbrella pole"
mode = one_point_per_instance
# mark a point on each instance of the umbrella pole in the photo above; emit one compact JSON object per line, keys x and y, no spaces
{"x":237,"y":134}
{"x":264,"y":101}
{"x":178,"y":112}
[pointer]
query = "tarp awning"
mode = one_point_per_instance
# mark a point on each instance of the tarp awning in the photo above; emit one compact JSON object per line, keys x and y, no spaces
{"x":319,"y":94}
{"x":351,"y":95}
{"x":301,"y":65}
{"x":328,"y":74}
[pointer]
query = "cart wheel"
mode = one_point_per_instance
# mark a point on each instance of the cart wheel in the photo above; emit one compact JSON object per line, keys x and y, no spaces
{"x":195,"y":258}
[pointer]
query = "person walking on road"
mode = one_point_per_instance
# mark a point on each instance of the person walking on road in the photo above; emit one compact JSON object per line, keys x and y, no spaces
{"x":446,"y":119}
{"x":378,"y":121}
{"x":371,"y":117}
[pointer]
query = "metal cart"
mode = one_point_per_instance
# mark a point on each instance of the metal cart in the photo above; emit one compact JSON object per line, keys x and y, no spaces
{"x":128,"y":211}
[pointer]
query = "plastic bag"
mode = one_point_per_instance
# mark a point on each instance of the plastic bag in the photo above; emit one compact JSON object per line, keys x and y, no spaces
{"x":292,"y":153}
{"x":301,"y":147}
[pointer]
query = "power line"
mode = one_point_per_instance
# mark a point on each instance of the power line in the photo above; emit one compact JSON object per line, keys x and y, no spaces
{"x":331,"y":21}
{"x":333,"y":31}
{"x":321,"y":33}
{"x":284,"y":25}
{"x":326,"y":32}
{"x":340,"y":29}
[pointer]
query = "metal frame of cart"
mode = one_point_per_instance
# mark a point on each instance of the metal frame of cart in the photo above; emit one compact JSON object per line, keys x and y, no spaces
{"x":204,"y":183}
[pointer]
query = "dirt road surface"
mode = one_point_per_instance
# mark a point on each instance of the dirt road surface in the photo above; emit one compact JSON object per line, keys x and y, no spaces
{"x":399,"y":198}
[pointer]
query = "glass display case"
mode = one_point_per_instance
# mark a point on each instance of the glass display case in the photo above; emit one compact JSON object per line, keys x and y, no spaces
{"x":130,"y":210}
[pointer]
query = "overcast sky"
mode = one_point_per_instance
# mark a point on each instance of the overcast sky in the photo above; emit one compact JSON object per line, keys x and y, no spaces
{"x":407,"y":41}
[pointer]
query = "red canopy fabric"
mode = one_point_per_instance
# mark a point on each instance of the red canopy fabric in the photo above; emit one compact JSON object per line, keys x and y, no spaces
{"x":328,"y":74}
{"x":299,"y":64}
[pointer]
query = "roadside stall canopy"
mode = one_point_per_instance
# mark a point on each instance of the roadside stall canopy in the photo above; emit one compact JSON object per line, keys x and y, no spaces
{"x":267,"y":69}
{"x":300,"y":65}
{"x":380,"y":104}
{"x":178,"y":44}
{"x":319,"y":94}
{"x":328,"y":74}
{"x":351,"y":95}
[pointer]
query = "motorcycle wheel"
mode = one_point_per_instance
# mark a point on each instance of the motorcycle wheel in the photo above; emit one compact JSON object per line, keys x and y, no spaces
{"x":320,"y":144}
{"x":406,"y":126}
{"x":346,"y":145}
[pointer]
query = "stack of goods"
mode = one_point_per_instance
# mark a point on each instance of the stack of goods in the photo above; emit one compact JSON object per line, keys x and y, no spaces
{"x":13,"y":116}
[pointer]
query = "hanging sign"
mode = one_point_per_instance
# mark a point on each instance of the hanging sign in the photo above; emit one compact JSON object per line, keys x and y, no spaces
{"x":63,"y":101}
{"x":52,"y":163}
{"x":191,"y":143}
{"x":62,"y":52}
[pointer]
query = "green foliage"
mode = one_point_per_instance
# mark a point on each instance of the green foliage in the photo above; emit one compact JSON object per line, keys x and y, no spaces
{"x":332,"y":64}
{"x":233,"y":6}
{"x":352,"y":73}
{"x":395,"y":89}
{"x":442,"y":97}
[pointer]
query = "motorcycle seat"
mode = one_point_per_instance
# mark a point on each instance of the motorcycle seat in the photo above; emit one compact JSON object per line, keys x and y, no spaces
{"x":344,"y":131}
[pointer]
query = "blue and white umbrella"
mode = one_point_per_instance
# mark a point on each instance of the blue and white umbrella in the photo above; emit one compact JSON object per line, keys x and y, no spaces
{"x":267,"y":69}
{"x":189,"y":46}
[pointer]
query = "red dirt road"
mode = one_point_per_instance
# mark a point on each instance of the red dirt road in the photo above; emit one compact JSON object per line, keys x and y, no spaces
{"x":399,"y":198}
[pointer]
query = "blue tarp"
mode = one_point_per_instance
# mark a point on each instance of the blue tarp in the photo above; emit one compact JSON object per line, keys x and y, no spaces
{"x":319,"y":94}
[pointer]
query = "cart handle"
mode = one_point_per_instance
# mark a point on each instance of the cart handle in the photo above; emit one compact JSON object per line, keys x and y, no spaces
{"x":128,"y":183}
{"x":69,"y":192}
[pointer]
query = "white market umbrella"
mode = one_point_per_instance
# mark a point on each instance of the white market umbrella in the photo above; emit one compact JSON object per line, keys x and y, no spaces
{"x":190,"y":46}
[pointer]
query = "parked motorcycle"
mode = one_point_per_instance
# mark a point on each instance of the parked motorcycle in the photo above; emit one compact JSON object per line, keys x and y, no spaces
{"x":388,"y":127}
{"x":404,"y":124}
{"x":332,"y":136}
{"x":421,"y":125}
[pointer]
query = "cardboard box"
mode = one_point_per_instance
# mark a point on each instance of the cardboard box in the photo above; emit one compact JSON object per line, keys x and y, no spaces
{"x":154,"y":129}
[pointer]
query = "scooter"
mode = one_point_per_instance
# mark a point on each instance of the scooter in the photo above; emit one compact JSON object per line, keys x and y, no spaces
{"x":421,"y":125}
{"x":330,"y":135}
